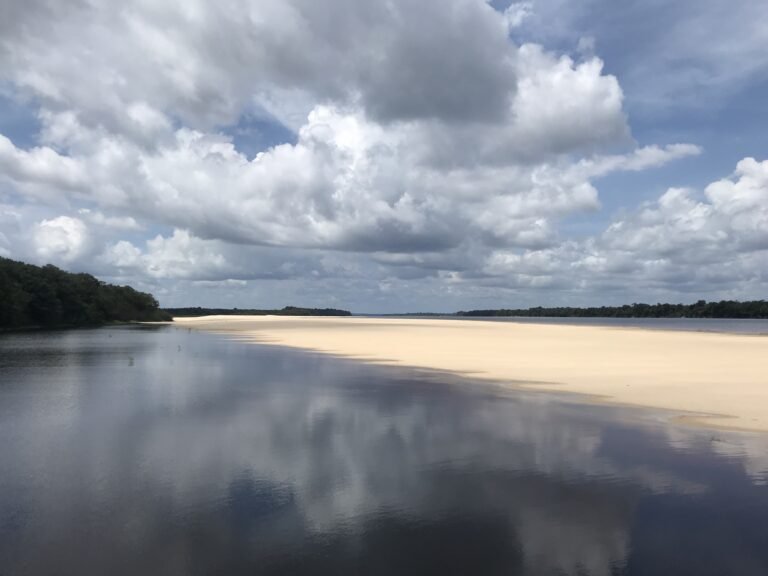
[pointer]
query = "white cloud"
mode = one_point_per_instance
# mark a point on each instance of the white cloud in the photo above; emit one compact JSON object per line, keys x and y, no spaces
{"x":111,"y":222}
{"x":178,"y":256}
{"x":229,"y":283}
{"x":123,"y":255}
{"x":744,"y":202}
{"x":63,"y":239}
{"x":10,"y":223}
{"x":40,"y":167}
{"x":133,"y":67}
{"x":431,"y":152}
{"x":686,"y":241}
{"x":516,"y":13}
{"x":350,"y":183}
{"x":670,"y":53}
{"x":567,"y":104}
{"x":731,"y":219}
{"x":183,"y":256}
{"x":423,"y":142}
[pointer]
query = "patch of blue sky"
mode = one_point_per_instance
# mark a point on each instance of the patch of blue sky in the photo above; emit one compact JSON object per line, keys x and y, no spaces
{"x":255,"y":133}
{"x":18,"y":119}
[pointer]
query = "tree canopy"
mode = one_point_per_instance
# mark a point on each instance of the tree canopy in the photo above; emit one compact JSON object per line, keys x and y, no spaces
{"x":47,"y":296}
{"x":700,"y":309}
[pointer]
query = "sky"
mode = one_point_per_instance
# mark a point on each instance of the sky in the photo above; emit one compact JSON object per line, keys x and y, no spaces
{"x":398,"y":156}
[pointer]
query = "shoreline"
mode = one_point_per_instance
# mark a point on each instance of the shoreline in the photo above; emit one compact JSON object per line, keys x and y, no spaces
{"x":631,"y":323}
{"x":713,"y":379}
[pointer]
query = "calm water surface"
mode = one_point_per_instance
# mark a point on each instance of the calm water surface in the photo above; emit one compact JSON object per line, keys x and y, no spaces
{"x":725,"y":325}
{"x":159,"y":451}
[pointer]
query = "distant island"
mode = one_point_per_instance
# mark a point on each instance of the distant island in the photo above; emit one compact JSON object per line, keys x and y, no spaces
{"x":287,"y":311}
{"x":701,"y":309}
{"x":47,"y":297}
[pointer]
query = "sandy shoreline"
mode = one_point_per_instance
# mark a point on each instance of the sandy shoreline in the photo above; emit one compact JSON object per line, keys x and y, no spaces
{"x":724,"y":376}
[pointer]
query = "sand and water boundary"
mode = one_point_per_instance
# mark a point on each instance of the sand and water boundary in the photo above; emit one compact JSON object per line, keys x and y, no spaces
{"x":715,"y":379}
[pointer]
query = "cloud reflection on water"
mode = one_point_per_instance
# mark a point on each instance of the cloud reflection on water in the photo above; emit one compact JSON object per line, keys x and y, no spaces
{"x":206,"y":455}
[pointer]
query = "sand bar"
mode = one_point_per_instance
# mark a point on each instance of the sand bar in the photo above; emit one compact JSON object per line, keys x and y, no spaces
{"x":724,"y":376}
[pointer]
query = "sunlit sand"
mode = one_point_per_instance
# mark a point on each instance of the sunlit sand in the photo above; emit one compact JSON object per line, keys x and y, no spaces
{"x":716,"y":379}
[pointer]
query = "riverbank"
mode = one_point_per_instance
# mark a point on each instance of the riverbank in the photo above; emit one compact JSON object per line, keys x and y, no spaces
{"x":715,"y":379}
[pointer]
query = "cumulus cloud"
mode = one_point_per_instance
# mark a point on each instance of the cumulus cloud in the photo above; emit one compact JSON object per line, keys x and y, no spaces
{"x":430,"y":152}
{"x":435,"y":123}
{"x":40,"y":168}
{"x":62,"y":238}
{"x":130,"y":67}
{"x":686,"y":242}
{"x":516,"y":13}
{"x":710,"y":241}
{"x":703,"y":50}
{"x":180,"y":255}
{"x":112,"y":222}
{"x":348,"y":183}
{"x":204,"y":262}
{"x":731,"y":217}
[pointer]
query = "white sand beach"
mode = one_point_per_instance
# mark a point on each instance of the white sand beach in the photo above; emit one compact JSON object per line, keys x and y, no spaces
{"x":710,"y":378}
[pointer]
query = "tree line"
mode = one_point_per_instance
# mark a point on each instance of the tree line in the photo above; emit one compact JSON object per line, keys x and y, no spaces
{"x":287,"y":311}
{"x":700,"y":309}
{"x":46,"y":296}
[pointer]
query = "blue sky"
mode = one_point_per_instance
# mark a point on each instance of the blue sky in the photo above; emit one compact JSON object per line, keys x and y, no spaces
{"x":430,"y":155}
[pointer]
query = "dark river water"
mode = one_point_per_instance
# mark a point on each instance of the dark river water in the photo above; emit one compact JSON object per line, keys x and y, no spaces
{"x":159,"y":451}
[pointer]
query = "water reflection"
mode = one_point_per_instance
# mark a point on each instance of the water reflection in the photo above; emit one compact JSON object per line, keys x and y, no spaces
{"x":160,"y":451}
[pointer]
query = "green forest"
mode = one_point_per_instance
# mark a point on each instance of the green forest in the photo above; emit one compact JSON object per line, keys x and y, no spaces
{"x":700,"y":309}
{"x":46,"y":296}
{"x":287,"y":311}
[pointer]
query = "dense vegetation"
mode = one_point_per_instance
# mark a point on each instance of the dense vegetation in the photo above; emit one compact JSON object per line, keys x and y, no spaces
{"x":34,"y":296}
{"x":287,"y":311}
{"x":701,"y":309}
